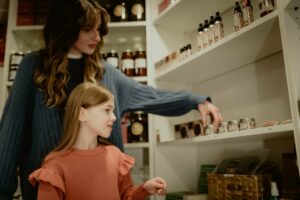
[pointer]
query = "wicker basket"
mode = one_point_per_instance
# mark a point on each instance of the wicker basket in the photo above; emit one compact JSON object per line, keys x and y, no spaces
{"x":238,"y":187}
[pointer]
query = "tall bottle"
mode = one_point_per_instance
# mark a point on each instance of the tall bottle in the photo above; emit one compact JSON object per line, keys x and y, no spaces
{"x":219,"y":29}
{"x":211,"y":30}
{"x":205,"y":34}
{"x":247,"y":12}
{"x":200,"y":36}
{"x":238,"y":17}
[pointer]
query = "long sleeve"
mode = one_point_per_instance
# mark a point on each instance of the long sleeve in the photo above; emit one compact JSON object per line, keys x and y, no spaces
{"x":130,"y":192}
{"x":13,"y":126}
{"x":136,"y":96}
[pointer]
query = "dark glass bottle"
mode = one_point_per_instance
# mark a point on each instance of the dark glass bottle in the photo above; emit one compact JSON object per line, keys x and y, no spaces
{"x":219,"y":29}
{"x":238,"y":17}
{"x":139,"y":127}
{"x":247,"y":12}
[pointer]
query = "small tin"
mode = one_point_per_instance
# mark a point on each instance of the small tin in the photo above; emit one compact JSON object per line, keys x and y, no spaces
{"x":247,"y":123}
{"x":222,"y":127}
{"x":209,"y":129}
{"x":233,"y":125}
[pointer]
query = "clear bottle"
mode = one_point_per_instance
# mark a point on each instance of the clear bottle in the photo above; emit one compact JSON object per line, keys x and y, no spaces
{"x":238,"y":17}
{"x":266,"y":6}
{"x":247,"y":12}
{"x":188,"y":51}
{"x":200,"y":36}
{"x":211,"y":30}
{"x":205,"y":34}
{"x":219,"y":29}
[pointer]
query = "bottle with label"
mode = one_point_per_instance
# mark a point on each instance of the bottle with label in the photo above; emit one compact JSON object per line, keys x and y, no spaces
{"x":205,"y":34}
{"x":140,"y":63}
{"x":127,"y":63}
{"x":139,"y":127}
{"x":188,"y":51}
{"x":219,"y":29}
{"x":238,"y":17}
{"x":200,"y":36}
{"x":247,"y":12}
{"x":112,"y":58}
{"x":120,"y":12}
{"x":211,"y":30}
{"x":137,"y":10}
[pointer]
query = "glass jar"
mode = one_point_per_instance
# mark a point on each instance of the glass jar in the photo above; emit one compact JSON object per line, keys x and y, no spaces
{"x":266,"y":6}
{"x":140,"y":63}
{"x":12,"y":73}
{"x":128,"y":63}
{"x":112,"y":58}
{"x":15,"y":58}
{"x":120,"y":12}
{"x":233,"y":125}
{"x":139,"y":127}
{"x":247,"y":123}
{"x":137,"y":11}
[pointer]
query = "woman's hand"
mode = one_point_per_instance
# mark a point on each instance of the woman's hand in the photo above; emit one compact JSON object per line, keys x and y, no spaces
{"x":156,"y":186}
{"x":208,"y":109}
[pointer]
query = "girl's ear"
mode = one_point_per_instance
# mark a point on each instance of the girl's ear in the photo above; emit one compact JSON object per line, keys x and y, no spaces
{"x":83,"y":115}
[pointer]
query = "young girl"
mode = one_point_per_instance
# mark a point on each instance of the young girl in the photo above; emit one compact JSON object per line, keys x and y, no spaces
{"x":83,"y":165}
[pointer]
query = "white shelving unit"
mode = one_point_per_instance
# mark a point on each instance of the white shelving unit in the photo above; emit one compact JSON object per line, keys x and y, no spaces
{"x":249,"y":73}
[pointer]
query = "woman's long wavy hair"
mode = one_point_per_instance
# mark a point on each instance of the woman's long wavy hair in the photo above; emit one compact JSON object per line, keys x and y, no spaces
{"x":65,"y":20}
{"x":85,"y":95}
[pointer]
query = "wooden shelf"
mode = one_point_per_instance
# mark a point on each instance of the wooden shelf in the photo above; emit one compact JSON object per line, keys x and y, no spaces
{"x":188,"y":14}
{"x":257,"y":134}
{"x":136,"y":145}
{"x":256,"y":41}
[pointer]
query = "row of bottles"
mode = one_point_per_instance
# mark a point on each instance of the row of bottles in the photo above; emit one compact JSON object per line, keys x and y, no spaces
{"x":210,"y":31}
{"x":124,"y":10}
{"x":131,"y":64}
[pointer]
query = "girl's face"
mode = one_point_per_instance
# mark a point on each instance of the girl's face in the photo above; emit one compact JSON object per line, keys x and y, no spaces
{"x":87,"y":40}
{"x":100,"y":119}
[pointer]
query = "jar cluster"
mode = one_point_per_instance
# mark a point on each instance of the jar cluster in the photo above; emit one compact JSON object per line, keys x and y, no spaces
{"x":15,"y":59}
{"x":131,"y":64}
{"x":196,"y":128}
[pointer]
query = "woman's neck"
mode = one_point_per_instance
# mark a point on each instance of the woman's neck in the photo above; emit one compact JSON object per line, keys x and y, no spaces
{"x":74,"y":56}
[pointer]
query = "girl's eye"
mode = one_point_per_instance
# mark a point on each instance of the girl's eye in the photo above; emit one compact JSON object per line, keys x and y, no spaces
{"x":107,"y":110}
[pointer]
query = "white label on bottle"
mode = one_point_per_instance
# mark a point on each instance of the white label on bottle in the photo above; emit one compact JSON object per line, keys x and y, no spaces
{"x":127,"y":64}
{"x":113,"y":61}
{"x":140,"y":63}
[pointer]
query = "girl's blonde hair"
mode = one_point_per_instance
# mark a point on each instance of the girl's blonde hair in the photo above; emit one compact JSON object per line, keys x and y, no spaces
{"x":65,"y":21}
{"x":85,"y":95}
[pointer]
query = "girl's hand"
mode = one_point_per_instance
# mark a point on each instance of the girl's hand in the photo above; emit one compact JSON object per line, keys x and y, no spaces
{"x":156,"y":186}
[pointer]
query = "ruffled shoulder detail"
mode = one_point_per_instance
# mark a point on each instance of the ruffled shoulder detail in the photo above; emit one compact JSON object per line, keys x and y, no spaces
{"x":47,"y":175}
{"x":126,"y":164}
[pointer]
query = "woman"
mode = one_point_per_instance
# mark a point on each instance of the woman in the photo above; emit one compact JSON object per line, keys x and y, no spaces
{"x":32,"y":120}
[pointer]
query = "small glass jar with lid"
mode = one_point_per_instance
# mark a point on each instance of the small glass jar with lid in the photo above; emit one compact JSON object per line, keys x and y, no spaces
{"x":140,"y":63}
{"x":113,"y":58}
{"x":128,"y":63}
{"x":12,"y":73}
{"x":139,"y":127}
{"x":15,"y":58}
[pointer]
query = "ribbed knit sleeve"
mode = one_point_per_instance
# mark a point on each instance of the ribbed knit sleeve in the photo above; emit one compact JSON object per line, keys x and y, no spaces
{"x":136,"y":96}
{"x":13,"y":125}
